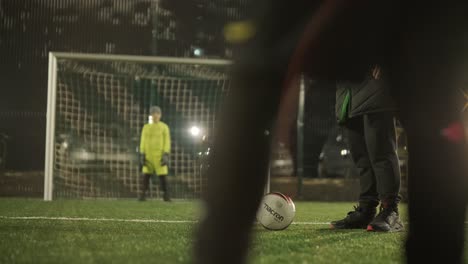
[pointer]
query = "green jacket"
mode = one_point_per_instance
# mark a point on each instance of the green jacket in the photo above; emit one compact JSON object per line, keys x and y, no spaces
{"x":155,"y":141}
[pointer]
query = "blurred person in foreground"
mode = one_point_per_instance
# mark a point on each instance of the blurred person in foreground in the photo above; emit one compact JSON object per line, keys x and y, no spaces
{"x":423,"y":49}
{"x":155,"y":146}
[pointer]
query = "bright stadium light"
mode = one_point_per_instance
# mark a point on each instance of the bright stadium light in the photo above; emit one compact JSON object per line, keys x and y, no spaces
{"x":198,"y":52}
{"x":65,"y":144}
{"x":195,"y":131}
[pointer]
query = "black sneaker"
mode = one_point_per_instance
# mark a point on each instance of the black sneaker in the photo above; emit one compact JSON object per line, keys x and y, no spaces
{"x":357,"y":219}
{"x":388,"y":220}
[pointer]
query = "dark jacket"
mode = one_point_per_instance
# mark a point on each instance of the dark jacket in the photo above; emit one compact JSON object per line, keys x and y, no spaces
{"x":369,"y":96}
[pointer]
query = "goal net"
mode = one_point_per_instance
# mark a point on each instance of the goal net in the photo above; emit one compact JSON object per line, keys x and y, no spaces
{"x":97,"y":106}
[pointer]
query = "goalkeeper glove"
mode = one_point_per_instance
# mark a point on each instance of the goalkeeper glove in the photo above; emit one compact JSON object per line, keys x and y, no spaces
{"x":165,"y":159}
{"x":142,"y":160}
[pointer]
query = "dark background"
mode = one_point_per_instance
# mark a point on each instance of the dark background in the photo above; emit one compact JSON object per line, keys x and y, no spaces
{"x":29,"y":29}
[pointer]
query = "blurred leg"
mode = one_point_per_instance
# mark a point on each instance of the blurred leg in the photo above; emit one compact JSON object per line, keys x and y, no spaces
{"x":436,"y":189}
{"x":380,"y":137}
{"x":163,"y":183}
{"x":144,"y":186}
{"x":368,"y":196}
{"x":241,"y":151}
{"x":426,"y":72}
{"x":357,"y":144}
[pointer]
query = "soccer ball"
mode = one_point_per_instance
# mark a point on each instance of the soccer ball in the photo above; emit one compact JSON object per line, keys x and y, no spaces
{"x":276,"y":211}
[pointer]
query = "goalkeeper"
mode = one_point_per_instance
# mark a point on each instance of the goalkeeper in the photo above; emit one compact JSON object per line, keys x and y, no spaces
{"x":155,"y":146}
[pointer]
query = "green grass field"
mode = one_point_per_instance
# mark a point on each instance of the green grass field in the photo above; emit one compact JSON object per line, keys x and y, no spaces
{"x":127,"y":231}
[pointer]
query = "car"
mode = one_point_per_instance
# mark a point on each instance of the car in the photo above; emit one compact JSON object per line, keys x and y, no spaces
{"x":335,"y":159}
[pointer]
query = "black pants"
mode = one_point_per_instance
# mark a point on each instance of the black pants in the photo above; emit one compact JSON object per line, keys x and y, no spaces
{"x":145,"y":178}
{"x":422,"y":56}
{"x":372,"y":142}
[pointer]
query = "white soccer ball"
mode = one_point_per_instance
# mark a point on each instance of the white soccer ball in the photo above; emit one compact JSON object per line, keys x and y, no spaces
{"x":276,"y":211}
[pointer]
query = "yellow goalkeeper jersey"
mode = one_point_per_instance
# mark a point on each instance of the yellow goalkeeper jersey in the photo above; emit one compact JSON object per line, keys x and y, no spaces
{"x":155,"y":141}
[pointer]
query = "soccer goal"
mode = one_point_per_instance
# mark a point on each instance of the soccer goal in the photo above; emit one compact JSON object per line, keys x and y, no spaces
{"x":97,"y":106}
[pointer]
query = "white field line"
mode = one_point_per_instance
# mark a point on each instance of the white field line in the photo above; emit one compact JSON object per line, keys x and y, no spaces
{"x":124,"y":220}
{"x":96,"y":219}
{"x":310,"y":223}
{"x":130,"y":220}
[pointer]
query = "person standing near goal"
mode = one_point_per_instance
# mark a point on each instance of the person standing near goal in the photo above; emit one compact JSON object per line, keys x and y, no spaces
{"x":155,"y":146}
